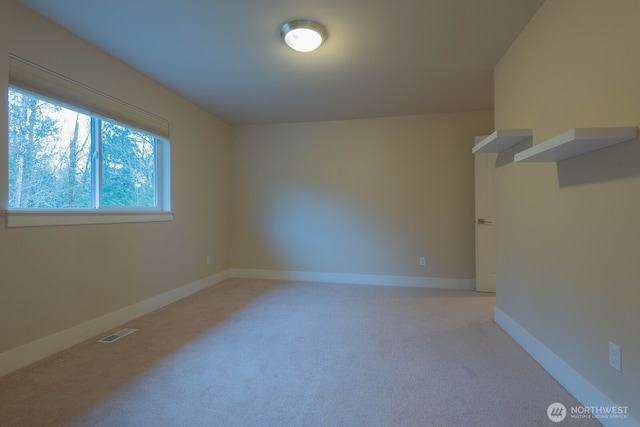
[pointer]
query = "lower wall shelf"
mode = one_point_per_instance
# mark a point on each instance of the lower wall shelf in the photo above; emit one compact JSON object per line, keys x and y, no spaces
{"x":576,"y":142}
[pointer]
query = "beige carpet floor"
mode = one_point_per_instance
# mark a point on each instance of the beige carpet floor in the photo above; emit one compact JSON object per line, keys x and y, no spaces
{"x":270,"y":353}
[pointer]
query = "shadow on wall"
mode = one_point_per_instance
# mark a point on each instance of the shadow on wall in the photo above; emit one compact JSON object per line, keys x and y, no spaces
{"x":609,"y":164}
{"x":506,"y":157}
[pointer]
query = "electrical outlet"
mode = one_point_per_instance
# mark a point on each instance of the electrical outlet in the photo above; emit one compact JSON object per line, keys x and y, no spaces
{"x":615,"y":357}
{"x":208,"y":259}
{"x":423,"y":261}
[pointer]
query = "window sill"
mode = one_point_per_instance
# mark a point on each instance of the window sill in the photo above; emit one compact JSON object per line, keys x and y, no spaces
{"x":43,"y":218}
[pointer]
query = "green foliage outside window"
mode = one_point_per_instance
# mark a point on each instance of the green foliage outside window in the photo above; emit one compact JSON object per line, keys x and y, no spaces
{"x":57,"y":156}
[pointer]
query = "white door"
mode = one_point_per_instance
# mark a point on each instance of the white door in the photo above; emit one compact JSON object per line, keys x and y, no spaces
{"x":485,"y":221}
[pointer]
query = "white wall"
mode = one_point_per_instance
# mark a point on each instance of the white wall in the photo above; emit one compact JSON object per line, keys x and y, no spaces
{"x":568,"y":234}
{"x":54,"y":278}
{"x":358,"y":197}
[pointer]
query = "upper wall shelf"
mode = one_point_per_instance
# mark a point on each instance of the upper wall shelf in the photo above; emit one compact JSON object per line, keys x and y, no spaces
{"x":576,"y":142}
{"x":500,"y":140}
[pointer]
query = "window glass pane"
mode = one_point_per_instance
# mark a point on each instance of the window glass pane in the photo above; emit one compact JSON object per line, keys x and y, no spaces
{"x":128,"y":167}
{"x":49,"y":154}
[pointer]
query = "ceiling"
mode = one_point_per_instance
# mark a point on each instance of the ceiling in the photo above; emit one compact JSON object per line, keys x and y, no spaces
{"x":382,"y":57}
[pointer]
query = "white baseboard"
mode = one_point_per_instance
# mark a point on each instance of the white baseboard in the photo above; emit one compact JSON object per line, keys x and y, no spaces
{"x":580,"y":388}
{"x":355,"y":279}
{"x":24,"y":355}
{"x":29,"y":353}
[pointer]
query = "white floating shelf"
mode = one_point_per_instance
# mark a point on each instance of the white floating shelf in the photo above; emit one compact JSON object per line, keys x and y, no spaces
{"x":502,"y":139}
{"x":576,"y":142}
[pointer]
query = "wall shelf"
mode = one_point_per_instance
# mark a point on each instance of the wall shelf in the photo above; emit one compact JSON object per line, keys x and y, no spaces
{"x":502,"y":139}
{"x":576,"y":142}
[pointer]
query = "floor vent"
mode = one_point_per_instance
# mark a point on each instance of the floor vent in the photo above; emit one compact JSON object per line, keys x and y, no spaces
{"x":117,"y":335}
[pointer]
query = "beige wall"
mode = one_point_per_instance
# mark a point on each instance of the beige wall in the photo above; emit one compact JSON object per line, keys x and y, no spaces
{"x":568,"y":234}
{"x":362,"y":196}
{"x":366,"y":196}
{"x":53,"y":278}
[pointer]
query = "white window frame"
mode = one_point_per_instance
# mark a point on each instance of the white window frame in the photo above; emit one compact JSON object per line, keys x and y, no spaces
{"x":43,"y":83}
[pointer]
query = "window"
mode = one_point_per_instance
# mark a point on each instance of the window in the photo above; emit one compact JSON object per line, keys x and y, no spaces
{"x":78,"y":156}
{"x":61,"y":158}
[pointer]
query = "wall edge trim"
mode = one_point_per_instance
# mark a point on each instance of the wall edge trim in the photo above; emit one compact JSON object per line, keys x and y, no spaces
{"x":585,"y":392}
{"x":355,"y":279}
{"x":29,"y":353}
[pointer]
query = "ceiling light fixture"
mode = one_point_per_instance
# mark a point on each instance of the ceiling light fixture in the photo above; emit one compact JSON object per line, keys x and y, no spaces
{"x":303,"y":35}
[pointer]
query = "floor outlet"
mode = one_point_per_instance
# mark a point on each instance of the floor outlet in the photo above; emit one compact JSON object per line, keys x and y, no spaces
{"x":614,"y":357}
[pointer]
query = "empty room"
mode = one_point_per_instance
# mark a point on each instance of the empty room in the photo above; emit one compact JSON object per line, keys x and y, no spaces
{"x":336,"y":213}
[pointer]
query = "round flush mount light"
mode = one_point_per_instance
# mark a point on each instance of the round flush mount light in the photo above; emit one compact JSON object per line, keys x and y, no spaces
{"x":303,"y":35}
